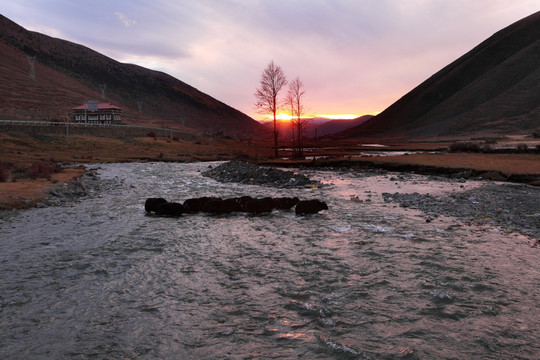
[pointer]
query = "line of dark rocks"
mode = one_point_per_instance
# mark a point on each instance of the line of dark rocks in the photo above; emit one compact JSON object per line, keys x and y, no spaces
{"x":505,"y":207}
{"x":243,"y":204}
{"x":87,"y":185}
{"x":247,"y":173}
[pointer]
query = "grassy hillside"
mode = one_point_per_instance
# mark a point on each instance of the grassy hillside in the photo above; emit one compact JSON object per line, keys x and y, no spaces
{"x":67,"y":74}
{"x":494,"y":89}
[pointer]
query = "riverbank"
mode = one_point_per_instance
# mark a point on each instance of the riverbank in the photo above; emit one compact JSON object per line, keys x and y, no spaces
{"x":28,"y":193}
{"x":23,"y":150}
{"x":486,"y":206}
{"x":520,"y":168}
{"x":490,"y":207}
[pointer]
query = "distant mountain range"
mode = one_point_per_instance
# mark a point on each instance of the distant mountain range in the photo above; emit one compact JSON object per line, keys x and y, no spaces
{"x":67,"y":74}
{"x":494,"y":89}
{"x":327,"y":127}
{"x":317,"y":127}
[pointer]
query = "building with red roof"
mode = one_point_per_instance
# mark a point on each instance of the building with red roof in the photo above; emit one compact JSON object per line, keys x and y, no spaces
{"x":95,"y":112}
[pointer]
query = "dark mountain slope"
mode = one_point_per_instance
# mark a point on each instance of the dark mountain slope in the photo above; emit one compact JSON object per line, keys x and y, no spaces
{"x":335,"y":126}
{"x":493,"y":89}
{"x":79,"y":71}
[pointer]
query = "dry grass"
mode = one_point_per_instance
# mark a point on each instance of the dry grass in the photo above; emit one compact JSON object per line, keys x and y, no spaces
{"x":505,"y":163}
{"x":24,"y":150}
{"x":12,"y":194}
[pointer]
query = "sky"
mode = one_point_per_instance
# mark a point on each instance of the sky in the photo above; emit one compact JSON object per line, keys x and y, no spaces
{"x":355,"y":57}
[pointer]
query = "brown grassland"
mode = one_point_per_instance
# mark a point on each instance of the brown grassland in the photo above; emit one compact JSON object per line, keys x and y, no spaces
{"x":23,"y":150}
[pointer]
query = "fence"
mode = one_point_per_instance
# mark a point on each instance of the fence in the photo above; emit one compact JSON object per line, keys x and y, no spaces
{"x":104,"y":130}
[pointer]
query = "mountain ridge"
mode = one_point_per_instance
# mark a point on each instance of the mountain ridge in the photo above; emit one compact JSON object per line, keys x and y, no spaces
{"x":492,"y":89}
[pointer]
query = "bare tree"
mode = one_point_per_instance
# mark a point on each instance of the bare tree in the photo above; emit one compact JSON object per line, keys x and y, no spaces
{"x":272,"y":80}
{"x":294,"y":97}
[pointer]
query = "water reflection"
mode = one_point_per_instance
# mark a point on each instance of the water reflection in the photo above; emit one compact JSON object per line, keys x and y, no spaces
{"x":362,"y":280}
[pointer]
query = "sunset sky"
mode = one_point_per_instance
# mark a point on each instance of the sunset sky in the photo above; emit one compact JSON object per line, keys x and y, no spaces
{"x":354,"y":56}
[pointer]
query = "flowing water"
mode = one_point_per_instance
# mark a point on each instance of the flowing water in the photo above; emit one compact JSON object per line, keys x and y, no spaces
{"x":368,"y":280}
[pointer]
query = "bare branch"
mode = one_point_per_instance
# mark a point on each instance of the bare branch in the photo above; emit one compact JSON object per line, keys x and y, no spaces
{"x":272,"y":81}
{"x":294,"y":98}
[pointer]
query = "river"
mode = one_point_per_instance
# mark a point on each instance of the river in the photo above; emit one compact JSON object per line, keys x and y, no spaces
{"x":100,"y":279}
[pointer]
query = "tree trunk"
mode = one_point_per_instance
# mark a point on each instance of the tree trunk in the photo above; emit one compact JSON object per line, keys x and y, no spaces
{"x":275,"y":136}
{"x":300,"y":144}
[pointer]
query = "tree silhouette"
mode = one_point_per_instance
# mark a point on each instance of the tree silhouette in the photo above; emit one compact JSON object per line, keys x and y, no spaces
{"x":272,"y":81}
{"x":294,"y":100}
{"x":289,"y":102}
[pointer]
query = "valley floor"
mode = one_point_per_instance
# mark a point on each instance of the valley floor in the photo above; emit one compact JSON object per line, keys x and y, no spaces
{"x":23,"y":150}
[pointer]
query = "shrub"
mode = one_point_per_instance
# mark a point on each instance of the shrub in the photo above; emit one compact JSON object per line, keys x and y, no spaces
{"x":522,"y":147}
{"x":43,"y":169}
{"x":176,"y":138}
{"x":4,"y":174}
{"x":5,"y":171}
{"x":466,"y":146}
{"x":151,"y":134}
{"x":456,"y":147}
{"x":241,"y":156}
{"x":18,"y":173}
{"x":33,"y":171}
{"x":46,"y":170}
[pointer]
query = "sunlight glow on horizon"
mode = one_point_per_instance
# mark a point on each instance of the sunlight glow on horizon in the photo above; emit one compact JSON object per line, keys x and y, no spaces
{"x":282,"y":117}
{"x":287,"y":117}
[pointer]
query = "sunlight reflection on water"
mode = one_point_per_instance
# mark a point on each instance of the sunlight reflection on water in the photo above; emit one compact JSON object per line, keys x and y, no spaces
{"x":363,"y":279}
